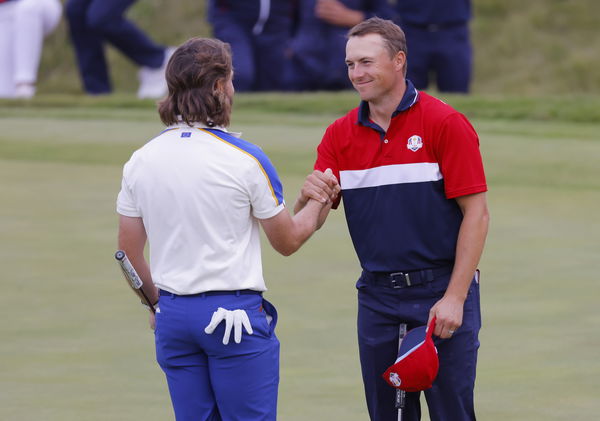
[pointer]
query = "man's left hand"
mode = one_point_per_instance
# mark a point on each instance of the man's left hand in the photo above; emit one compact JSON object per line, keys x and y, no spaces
{"x":449,"y":315}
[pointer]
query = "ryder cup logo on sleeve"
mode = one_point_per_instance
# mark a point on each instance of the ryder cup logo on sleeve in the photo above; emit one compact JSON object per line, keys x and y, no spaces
{"x":414,"y":143}
{"x":417,"y":364}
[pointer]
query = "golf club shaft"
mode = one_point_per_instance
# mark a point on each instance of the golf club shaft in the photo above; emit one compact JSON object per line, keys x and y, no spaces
{"x":400,"y":394}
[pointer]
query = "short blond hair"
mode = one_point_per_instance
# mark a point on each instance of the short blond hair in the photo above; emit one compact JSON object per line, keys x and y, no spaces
{"x":392,"y":34}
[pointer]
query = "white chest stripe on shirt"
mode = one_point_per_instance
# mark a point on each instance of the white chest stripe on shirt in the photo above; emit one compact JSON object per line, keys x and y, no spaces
{"x":390,"y":174}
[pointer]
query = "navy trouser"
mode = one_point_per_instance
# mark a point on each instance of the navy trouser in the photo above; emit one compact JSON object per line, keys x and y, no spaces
{"x":381,"y":309}
{"x":209,"y":381}
{"x":94,"y":22}
{"x":445,"y":51}
{"x":258,"y":60}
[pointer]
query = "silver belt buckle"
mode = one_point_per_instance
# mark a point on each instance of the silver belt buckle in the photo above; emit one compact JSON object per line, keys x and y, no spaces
{"x":400,"y":274}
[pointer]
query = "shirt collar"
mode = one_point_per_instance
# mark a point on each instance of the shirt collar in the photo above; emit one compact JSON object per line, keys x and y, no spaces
{"x":198,"y":125}
{"x":410,"y":98}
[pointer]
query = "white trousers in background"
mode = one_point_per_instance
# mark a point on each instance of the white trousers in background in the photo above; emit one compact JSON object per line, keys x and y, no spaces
{"x":23,"y":26}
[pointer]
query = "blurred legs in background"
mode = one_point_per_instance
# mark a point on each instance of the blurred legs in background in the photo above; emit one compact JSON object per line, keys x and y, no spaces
{"x":92,"y":23}
{"x":23,"y":26}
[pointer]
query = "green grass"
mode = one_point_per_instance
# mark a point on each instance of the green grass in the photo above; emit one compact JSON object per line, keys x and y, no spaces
{"x":75,"y":343}
{"x":304,"y":108}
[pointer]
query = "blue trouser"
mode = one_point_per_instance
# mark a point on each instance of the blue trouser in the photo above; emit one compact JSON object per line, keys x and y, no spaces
{"x":446,"y":51}
{"x":93,"y":22}
{"x":209,"y":381}
{"x":381,"y":309}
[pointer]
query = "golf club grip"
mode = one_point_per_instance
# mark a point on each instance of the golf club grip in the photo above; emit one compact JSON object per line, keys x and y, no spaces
{"x":132,"y":277}
{"x":400,"y":399}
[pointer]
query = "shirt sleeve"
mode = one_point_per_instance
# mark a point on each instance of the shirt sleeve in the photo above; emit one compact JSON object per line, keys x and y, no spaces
{"x":460,"y":158}
{"x":126,"y":205}
{"x":326,"y":158}
{"x":266,"y":190}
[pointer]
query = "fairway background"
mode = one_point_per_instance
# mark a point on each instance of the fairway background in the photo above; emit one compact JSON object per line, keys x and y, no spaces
{"x":75,"y":342}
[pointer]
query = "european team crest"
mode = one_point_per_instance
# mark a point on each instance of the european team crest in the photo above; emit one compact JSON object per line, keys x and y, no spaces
{"x":414,"y":143}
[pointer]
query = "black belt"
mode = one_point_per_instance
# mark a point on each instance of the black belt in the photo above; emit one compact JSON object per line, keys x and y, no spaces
{"x":406,"y":279}
{"x":208,"y":293}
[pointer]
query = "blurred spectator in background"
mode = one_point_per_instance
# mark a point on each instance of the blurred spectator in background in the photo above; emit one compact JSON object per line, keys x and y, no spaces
{"x":23,"y":26}
{"x":437,"y":35}
{"x":318,"y":48}
{"x":94,"y":22}
{"x":258,"y":32}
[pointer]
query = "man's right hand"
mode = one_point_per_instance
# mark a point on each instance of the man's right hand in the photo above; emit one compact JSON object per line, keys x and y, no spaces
{"x":320,"y":186}
{"x":337,"y":13}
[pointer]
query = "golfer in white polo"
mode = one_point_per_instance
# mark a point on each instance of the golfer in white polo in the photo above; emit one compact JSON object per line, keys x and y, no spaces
{"x":197,"y":193}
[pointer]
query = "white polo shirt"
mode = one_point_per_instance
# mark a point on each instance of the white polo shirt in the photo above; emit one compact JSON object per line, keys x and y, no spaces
{"x":199,"y":191}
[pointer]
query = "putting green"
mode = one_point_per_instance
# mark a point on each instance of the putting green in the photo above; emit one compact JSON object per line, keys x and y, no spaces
{"x":75,"y":343}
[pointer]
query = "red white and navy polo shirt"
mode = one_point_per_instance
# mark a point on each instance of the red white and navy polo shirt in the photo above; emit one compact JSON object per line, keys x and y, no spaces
{"x":399,"y":186}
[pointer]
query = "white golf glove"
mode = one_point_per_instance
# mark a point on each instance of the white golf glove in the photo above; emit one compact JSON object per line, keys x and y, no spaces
{"x":233,"y":318}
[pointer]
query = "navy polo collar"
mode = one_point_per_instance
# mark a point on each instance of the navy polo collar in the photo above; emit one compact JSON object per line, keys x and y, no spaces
{"x":410,"y":98}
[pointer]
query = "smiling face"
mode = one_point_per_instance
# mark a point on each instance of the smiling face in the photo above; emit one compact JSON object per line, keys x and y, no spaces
{"x":374,"y":73}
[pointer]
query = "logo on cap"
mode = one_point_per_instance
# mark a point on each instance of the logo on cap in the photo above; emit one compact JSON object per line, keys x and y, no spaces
{"x":417,"y":364}
{"x":414,"y":143}
{"x":395,"y":379}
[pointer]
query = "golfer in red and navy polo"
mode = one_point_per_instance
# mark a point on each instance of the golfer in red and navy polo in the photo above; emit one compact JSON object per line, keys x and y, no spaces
{"x":413,"y":188}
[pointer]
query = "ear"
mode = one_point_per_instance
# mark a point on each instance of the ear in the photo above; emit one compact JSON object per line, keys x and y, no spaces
{"x":219,"y":85}
{"x":400,"y":61}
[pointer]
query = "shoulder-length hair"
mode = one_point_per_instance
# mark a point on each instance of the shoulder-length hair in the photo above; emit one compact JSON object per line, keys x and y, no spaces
{"x":196,"y":76}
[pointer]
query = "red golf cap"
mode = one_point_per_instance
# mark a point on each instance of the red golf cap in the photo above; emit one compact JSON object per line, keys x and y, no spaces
{"x":417,"y":364}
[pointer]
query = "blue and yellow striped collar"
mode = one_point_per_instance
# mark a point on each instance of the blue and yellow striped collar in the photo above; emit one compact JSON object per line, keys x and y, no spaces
{"x":199,"y":125}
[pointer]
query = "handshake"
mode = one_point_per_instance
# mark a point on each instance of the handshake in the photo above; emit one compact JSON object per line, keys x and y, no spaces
{"x":233,"y":318}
